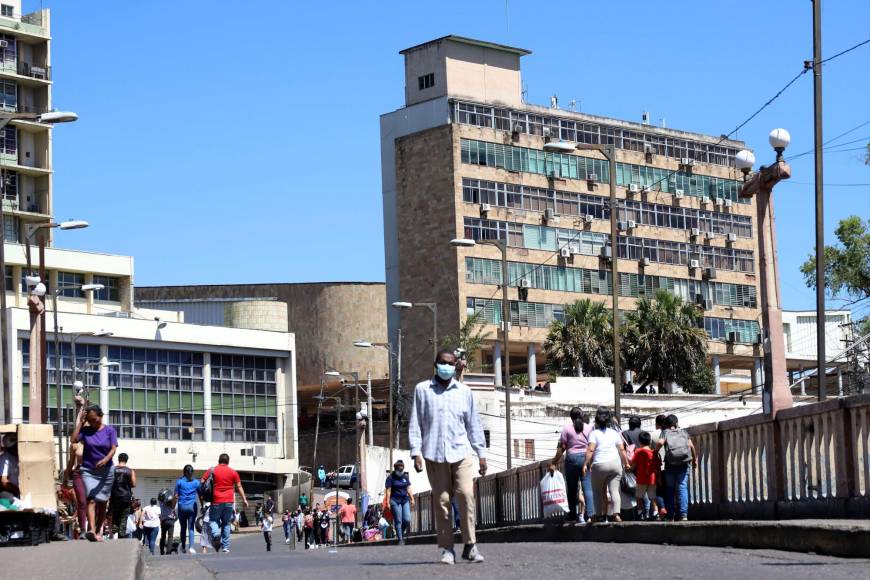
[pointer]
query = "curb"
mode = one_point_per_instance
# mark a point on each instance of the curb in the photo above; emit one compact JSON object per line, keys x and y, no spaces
{"x":845,"y":538}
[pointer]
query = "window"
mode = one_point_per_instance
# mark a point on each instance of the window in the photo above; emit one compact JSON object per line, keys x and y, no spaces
{"x":486,"y":435}
{"x":9,"y":140}
{"x":244,"y":398}
{"x":10,"y":230}
{"x":7,"y":10}
{"x":530,"y":449}
{"x":109,"y":292}
{"x":516,"y":448}
{"x":426,"y":81}
{"x":8,"y":96}
{"x":71,"y":279}
{"x":9,"y":53}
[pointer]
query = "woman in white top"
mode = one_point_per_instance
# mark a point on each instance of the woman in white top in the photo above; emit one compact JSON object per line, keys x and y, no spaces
{"x":151,"y":523}
{"x":606,"y":455}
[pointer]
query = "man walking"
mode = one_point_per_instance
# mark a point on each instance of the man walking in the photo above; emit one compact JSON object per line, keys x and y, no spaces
{"x":220,"y":514}
{"x":122,"y":496}
{"x":445,"y":430}
{"x":679,"y":454}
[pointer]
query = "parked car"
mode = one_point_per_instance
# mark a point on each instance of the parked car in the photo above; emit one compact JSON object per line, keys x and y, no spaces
{"x":347,"y":476}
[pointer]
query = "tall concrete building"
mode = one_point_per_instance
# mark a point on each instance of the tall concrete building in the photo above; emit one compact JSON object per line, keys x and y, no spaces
{"x":177,"y":393}
{"x":467,"y":157}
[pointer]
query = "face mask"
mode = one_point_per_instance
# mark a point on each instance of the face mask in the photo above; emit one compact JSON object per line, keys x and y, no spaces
{"x":445,"y":371}
{"x":399,"y":472}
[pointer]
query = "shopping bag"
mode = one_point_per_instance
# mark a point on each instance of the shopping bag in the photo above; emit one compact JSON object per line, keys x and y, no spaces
{"x":553,"y":495}
{"x":628,"y":483}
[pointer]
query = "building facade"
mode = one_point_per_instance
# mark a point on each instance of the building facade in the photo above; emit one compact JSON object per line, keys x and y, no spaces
{"x":466,"y":157}
{"x":177,"y":393}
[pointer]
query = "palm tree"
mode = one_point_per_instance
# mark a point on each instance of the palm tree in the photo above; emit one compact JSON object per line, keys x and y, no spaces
{"x":582,"y":344}
{"x":470,"y":337}
{"x":662,"y":340}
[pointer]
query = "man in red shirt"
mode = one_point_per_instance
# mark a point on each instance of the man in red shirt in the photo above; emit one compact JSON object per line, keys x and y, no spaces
{"x":220,"y":514}
{"x":347,"y":513}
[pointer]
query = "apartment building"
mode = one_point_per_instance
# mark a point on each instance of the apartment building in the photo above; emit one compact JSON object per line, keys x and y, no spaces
{"x":467,"y":157}
{"x":177,"y":393}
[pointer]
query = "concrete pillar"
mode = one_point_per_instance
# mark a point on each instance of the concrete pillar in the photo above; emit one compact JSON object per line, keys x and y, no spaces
{"x":104,"y":378}
{"x":803,"y":383}
{"x":533,"y":366}
{"x":716,"y":374}
{"x":206,"y":394}
{"x":839,"y":382}
{"x":758,"y":376}
{"x":579,"y":370}
{"x":497,"y":363}
{"x":89,"y":296}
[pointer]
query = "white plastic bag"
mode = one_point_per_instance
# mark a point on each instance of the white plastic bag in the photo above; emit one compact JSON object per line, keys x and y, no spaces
{"x":553,"y":495}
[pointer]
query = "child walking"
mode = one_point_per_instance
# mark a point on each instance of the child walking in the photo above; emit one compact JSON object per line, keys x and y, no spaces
{"x":644,"y":464}
{"x":266,"y":526}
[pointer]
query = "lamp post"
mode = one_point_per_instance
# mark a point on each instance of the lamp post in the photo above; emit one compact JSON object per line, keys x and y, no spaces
{"x":609,"y":152}
{"x":389,"y":348}
{"x":776,"y":394}
{"x":355,"y":375}
{"x":337,"y":400}
{"x":505,"y":316}
{"x":47,"y":118}
{"x":433,"y":307}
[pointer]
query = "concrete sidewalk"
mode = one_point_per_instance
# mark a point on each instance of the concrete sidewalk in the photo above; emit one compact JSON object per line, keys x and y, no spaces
{"x":121,"y":559}
{"x":842,"y":538}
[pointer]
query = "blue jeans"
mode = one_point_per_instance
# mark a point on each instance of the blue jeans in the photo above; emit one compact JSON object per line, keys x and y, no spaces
{"x":151,"y":537}
{"x":401,"y":517}
{"x":220,"y":517}
{"x":677,"y":483}
{"x":187,"y":519}
{"x":347,"y":530}
{"x":573,"y":469}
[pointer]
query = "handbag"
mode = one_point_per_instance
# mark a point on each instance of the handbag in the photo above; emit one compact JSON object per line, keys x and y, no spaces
{"x":628,"y":483}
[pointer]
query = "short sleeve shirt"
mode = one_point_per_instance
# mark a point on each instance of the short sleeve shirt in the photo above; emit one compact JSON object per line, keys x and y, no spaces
{"x":607,"y":443}
{"x":398,"y":486}
{"x":575,"y":442}
{"x":225,"y":480}
{"x":98,"y":443}
{"x":644,"y":467}
{"x":348,"y":514}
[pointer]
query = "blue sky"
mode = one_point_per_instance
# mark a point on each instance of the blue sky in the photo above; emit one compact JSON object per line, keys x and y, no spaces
{"x":219,"y":144}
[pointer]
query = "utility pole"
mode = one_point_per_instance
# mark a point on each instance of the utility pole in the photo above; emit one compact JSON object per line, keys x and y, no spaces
{"x":821,"y":376}
{"x":506,"y":324}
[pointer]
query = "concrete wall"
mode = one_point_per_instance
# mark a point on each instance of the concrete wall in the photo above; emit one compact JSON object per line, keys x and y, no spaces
{"x":256,"y":314}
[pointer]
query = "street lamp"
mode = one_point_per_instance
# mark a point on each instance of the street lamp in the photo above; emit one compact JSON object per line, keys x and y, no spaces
{"x":355,"y":375}
{"x":433,"y":307}
{"x":49,"y":117}
{"x":337,"y":400}
{"x":776,"y":394}
{"x":505,"y":319}
{"x":389,"y":348}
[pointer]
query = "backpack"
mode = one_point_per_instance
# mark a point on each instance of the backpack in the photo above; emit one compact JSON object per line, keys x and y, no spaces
{"x":309,"y":522}
{"x":206,"y":488}
{"x":677,"y":447}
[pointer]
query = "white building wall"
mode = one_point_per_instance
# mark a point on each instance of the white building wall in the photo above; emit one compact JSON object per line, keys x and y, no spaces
{"x":799,"y":329}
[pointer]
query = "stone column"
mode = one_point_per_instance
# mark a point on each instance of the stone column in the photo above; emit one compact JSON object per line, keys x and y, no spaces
{"x":839,"y":382}
{"x":757,"y":375}
{"x":104,"y":379}
{"x":206,"y":394}
{"x":803,"y":383}
{"x":533,"y":366}
{"x":497,"y":363}
{"x":717,"y":374}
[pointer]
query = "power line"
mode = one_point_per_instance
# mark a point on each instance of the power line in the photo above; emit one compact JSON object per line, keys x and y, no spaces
{"x":841,"y":53}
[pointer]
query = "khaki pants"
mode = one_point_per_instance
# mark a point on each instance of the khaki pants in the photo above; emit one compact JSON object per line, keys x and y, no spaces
{"x":453,"y":480}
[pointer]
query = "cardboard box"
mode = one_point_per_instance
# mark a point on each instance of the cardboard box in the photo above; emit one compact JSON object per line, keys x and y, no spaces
{"x":36,"y":463}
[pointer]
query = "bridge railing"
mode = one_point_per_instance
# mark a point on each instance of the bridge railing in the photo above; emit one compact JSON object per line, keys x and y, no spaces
{"x":811,"y":461}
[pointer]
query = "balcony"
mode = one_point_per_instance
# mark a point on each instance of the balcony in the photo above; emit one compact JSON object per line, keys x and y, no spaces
{"x":33,"y":25}
{"x":40,"y":72}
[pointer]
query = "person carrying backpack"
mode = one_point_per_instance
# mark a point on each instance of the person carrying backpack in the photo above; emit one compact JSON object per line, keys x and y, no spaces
{"x":679,"y":454}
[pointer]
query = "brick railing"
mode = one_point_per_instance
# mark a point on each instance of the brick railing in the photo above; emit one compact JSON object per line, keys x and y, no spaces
{"x":811,"y":461}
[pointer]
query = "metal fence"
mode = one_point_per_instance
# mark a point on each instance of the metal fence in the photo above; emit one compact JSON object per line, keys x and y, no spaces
{"x":821,"y":468}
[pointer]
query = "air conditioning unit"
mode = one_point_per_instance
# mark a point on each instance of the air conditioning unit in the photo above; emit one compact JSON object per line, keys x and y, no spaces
{"x":733,"y":336}
{"x":732,"y":238}
{"x":719,"y":201}
{"x":518,"y":128}
{"x":549,"y":214}
{"x":621,"y":226}
{"x":645,"y":189}
{"x":592,"y":177}
{"x":485,"y":208}
{"x":545,"y":132}
{"x":525,"y":283}
{"x":705,"y":199}
{"x":606,"y":253}
{"x":631,"y":224}
{"x":729,"y":203}
{"x":695,"y":232}
{"x":679,"y":194}
{"x":710,"y":273}
{"x":694,"y":264}
{"x":706,"y":304}
{"x":687,"y":161}
{"x":633,"y":188}
{"x":711,"y":236}
{"x":644,"y":262}
{"x":588,"y":218}
{"x":4,"y":43}
{"x":565,"y":252}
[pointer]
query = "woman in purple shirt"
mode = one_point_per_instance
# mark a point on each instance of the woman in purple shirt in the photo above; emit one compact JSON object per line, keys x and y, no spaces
{"x":98,"y":472}
{"x":573,"y":442}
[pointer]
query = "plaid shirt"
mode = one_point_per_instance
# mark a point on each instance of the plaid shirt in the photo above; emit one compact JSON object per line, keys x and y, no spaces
{"x":445,"y":426}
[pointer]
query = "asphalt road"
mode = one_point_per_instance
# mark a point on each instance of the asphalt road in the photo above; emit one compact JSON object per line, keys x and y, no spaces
{"x":544,"y":561}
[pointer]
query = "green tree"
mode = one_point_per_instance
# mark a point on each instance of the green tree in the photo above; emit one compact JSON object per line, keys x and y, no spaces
{"x":847,"y":265}
{"x":471,"y":336}
{"x":700,"y":382}
{"x":583,"y":340}
{"x":662,"y":341}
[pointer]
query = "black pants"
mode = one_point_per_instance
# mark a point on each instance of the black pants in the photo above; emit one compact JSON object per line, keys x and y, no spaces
{"x":309,"y":537}
{"x":268,"y":538}
{"x":119,"y":511}
{"x":167,"y":528}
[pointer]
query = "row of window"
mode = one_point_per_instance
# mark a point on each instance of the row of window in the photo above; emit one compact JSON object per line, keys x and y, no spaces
{"x":529,"y":198}
{"x":586,"y":243}
{"x":589,"y":132}
{"x":585,"y":281}
{"x":568,"y":166}
{"x":159,"y":426}
{"x":109,"y":293}
{"x":541,"y":315}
